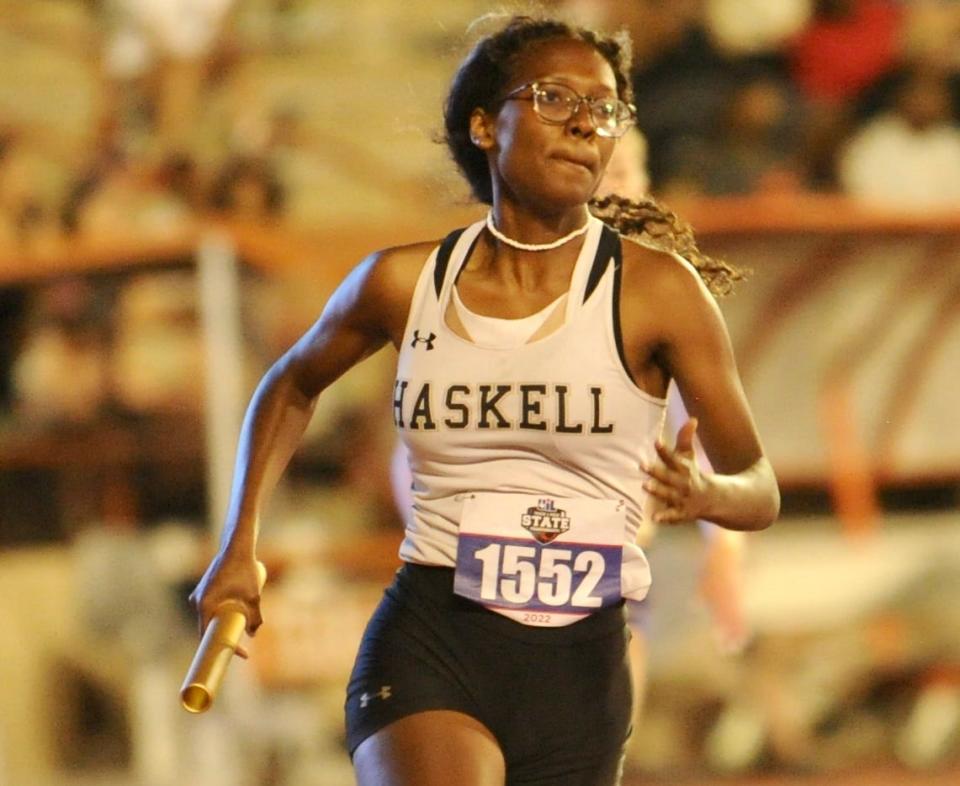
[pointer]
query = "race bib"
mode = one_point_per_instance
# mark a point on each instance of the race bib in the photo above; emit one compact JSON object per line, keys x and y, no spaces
{"x":544,"y":561}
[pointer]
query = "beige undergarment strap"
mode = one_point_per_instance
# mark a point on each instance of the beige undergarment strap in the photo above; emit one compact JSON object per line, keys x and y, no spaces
{"x":498,"y":332}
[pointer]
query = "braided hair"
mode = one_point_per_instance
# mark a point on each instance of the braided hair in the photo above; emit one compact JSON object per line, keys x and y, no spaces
{"x":650,"y":222}
{"x":481,"y":81}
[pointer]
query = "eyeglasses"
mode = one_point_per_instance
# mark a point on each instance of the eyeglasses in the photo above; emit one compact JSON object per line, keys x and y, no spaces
{"x":556,"y":104}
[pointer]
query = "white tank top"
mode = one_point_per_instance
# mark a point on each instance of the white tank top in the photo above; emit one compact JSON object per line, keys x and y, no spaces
{"x":498,"y":332}
{"x":557,"y":416}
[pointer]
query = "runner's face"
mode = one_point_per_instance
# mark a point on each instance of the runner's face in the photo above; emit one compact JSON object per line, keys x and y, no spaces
{"x":545,"y":165}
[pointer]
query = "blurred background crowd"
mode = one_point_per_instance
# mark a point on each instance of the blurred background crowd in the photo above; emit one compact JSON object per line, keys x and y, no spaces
{"x":138,"y":114}
{"x":182,"y":182}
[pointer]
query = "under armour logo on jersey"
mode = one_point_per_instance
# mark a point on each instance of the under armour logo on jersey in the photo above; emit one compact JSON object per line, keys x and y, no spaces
{"x":384,"y":693}
{"x":428,"y":340}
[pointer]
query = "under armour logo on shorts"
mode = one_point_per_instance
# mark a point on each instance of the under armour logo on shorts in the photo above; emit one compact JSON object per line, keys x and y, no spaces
{"x":428,"y":340}
{"x":384,"y":693}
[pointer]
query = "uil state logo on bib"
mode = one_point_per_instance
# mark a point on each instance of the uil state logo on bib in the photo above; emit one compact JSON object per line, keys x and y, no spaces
{"x":545,"y":521}
{"x":539,"y":560}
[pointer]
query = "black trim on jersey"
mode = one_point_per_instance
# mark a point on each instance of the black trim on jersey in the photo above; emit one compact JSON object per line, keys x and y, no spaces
{"x":609,"y":246}
{"x":443,"y":258}
{"x":617,"y":331}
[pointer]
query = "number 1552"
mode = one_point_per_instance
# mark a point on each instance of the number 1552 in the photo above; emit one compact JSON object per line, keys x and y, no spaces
{"x":518,"y":573}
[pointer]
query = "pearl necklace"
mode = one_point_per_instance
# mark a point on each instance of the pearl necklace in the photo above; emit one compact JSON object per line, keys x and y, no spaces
{"x":533,"y":246}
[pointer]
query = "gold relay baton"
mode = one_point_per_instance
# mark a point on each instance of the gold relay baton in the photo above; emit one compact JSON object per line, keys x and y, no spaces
{"x":217,"y":646}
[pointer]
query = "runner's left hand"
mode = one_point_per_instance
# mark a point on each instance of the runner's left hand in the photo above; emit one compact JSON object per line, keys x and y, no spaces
{"x":676,"y":481}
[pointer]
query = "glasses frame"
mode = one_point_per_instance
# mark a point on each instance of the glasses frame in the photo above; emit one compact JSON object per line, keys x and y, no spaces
{"x":536,"y":89}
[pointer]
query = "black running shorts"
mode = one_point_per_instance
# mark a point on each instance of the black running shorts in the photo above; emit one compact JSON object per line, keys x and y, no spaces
{"x":558,"y":700}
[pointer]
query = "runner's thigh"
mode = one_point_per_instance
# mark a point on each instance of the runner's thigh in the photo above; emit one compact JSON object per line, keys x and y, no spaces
{"x":432,"y":748}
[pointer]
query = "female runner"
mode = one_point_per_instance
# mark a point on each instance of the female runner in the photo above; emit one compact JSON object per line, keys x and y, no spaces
{"x":535,"y":350}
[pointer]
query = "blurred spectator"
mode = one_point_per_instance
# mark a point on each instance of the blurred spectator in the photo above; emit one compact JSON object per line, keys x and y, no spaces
{"x":24,"y":211}
{"x":179,"y":176}
{"x":595,"y":14}
{"x":123,"y":196}
{"x":909,"y":156}
{"x":679,"y":93}
{"x":751,"y":149}
{"x":248,"y":187}
{"x":157,"y":362}
{"x":118,"y":188}
{"x":755,"y":27}
{"x":933,"y":33}
{"x":847,"y":47}
{"x":657,"y":28}
{"x":106,"y":154}
{"x":60,"y":372}
{"x":253,"y":181}
{"x":170,"y":47}
{"x":7,"y":204}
